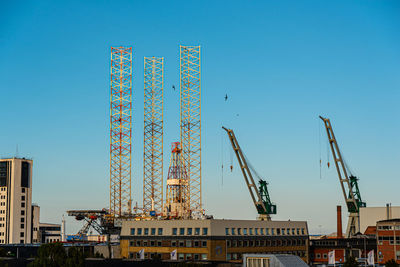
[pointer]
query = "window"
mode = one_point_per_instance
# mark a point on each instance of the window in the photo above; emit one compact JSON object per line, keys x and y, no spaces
{"x":146,"y":231}
{"x":196,"y":244}
{"x":173,"y":243}
{"x":25,"y":174}
{"x":325,"y":256}
{"x":23,"y":198}
{"x":153,"y":231}
{"x":189,"y":231}
{"x":160,"y":230}
{"x":21,"y":234}
{"x":245,"y":231}
{"x":256,"y":231}
{"x":181,"y":243}
{"x":22,"y":226}
{"x":197,"y":231}
{"x":23,"y":190}
{"x":267,"y":231}
{"x":22,"y":219}
{"x":152,"y":243}
{"x":239,"y":231}
{"x":262,"y":231}
{"x":174,"y":231}
{"x":283,"y":231}
{"x":204,"y":244}
{"x":233,"y":231}
{"x":188,"y":243}
{"x":205,"y":231}
{"x":132,"y":231}
{"x":181,"y":231}
{"x":139,"y":231}
{"x":226,"y":231}
{"x":278,"y":231}
{"x":251,"y":231}
{"x":302,"y":231}
{"x":181,"y":256}
{"x":22,"y":204}
{"x":298,"y":231}
{"x":203,"y":256}
{"x":293,"y":231}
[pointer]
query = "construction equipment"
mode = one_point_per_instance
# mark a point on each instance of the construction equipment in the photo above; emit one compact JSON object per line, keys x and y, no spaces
{"x":349,"y":183}
{"x":260,"y":195}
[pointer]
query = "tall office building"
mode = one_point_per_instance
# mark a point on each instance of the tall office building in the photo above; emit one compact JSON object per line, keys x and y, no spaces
{"x":15,"y":201}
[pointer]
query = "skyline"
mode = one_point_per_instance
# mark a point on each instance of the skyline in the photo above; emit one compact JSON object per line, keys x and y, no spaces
{"x":281,"y":69}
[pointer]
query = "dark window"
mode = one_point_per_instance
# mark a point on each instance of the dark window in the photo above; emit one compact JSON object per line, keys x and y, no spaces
{"x":21,"y":234}
{"x":159,"y":244}
{"x":138,"y":243}
{"x":197,"y":231}
{"x":181,"y":243}
{"x":174,"y":231}
{"x":146,"y":231}
{"x":153,"y":231}
{"x":132,"y":231}
{"x":23,"y":190}
{"x":22,"y":204}
{"x":173,"y":243}
{"x":3,"y":173}
{"x":159,"y":231}
{"x":196,"y":244}
{"x":204,"y":243}
{"x":205,"y":230}
{"x":152,"y":243}
{"x":25,"y":174}
{"x":189,"y":231}
{"x":22,"y":226}
{"x":22,"y":219}
{"x":22,"y":198}
{"x":181,"y":231}
{"x":22,"y":212}
{"x":139,"y":231}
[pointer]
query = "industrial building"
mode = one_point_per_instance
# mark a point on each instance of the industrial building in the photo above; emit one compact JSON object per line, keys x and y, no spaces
{"x":15,"y":201}
{"x":388,"y":237}
{"x":211,"y":239}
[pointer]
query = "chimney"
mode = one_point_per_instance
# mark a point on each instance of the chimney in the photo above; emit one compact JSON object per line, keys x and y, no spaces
{"x":339,"y":221}
{"x":387,"y":211}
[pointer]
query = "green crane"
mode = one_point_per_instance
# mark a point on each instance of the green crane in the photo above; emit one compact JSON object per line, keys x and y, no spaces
{"x":260,"y":195}
{"x":349,"y":183}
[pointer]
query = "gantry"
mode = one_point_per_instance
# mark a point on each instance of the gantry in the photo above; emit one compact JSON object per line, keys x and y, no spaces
{"x":153,"y":134}
{"x":120,"y":130}
{"x":191,"y":120}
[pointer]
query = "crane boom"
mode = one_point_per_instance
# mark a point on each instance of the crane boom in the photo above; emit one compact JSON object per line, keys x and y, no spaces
{"x":348,"y":183}
{"x":259,"y":196}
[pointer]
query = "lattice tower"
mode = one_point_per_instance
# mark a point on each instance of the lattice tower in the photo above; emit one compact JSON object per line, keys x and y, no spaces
{"x":178,"y":196}
{"x":153,"y":134}
{"x":120,"y":130}
{"x":191,"y":120}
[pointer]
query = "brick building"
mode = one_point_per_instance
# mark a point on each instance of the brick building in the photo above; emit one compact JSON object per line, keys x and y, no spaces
{"x":388,"y":239}
{"x":209,"y":239}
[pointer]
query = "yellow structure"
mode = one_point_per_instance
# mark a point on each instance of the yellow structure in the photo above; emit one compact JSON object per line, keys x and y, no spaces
{"x":191,"y":120}
{"x":120,"y":130}
{"x":153,"y":134}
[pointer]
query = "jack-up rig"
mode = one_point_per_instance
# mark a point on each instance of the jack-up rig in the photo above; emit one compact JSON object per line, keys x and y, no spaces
{"x":349,"y":183}
{"x":260,"y":195}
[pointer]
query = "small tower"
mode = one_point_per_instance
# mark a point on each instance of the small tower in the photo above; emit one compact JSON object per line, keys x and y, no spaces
{"x":178,"y":193}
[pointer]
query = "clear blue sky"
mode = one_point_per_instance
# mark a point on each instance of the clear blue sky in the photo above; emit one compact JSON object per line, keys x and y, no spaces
{"x":282,"y":63}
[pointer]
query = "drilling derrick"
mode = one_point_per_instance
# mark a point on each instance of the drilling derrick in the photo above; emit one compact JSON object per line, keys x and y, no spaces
{"x":120,"y":130}
{"x":191,"y":120}
{"x":153,"y":134}
{"x":178,"y":199}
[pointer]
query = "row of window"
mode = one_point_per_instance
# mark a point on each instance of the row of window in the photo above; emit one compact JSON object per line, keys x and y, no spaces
{"x":159,"y":231}
{"x":389,"y":227}
{"x":265,"y":243}
{"x":264,"y":231}
{"x":173,"y":243}
{"x":180,"y":256}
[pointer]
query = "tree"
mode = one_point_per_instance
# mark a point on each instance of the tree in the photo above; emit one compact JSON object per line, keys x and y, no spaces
{"x":50,"y":255}
{"x":54,"y":255}
{"x":391,"y":263}
{"x":350,"y":262}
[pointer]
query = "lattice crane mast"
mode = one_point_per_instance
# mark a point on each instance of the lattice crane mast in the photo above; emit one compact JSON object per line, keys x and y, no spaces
{"x":260,"y":195}
{"x":349,"y":183}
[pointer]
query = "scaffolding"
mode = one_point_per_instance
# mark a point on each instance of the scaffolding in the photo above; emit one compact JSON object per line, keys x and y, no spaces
{"x":120,"y":131}
{"x":191,"y":120}
{"x":153,"y":134}
{"x":177,"y":199}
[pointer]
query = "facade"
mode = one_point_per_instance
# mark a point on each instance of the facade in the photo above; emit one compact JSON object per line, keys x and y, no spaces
{"x":369,"y":216}
{"x":15,"y":201}
{"x":35,"y":223}
{"x":270,"y":260}
{"x":209,"y":239}
{"x":49,"y":232}
{"x":388,"y":238}
{"x":357,"y":247}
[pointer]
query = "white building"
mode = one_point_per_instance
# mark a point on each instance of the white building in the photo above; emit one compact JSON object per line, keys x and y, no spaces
{"x":15,"y":201}
{"x":49,"y":232}
{"x":35,"y":223}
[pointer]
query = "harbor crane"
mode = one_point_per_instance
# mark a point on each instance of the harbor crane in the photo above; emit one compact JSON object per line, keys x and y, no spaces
{"x":349,"y":183}
{"x":260,"y":195}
